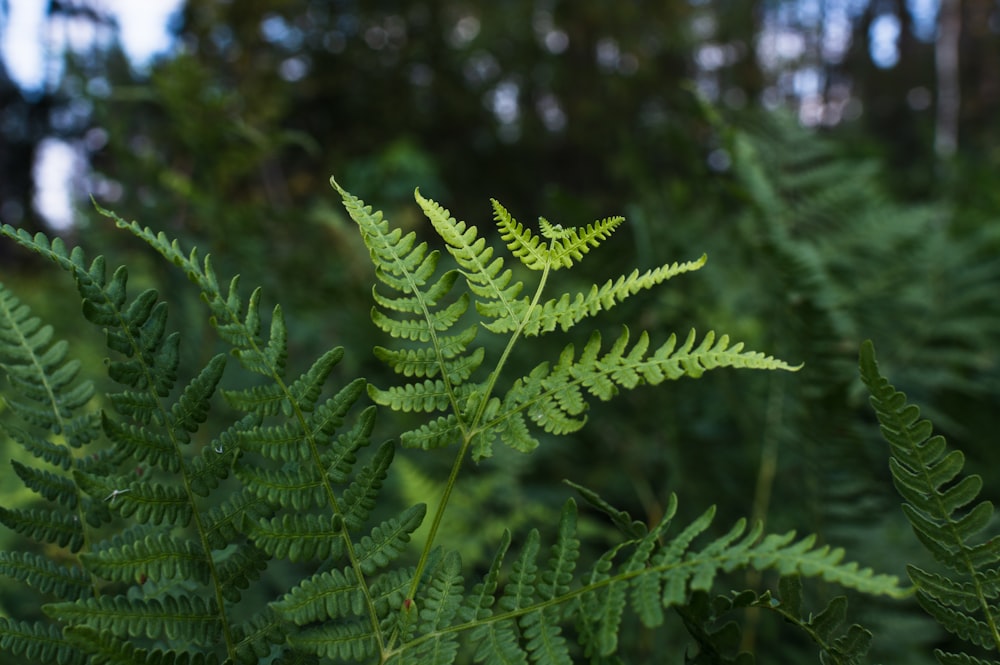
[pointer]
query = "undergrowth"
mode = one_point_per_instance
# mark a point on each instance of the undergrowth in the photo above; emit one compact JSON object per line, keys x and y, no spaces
{"x":173,"y":510}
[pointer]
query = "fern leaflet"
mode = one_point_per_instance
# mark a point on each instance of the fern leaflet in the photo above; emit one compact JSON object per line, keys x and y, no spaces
{"x":939,"y":504}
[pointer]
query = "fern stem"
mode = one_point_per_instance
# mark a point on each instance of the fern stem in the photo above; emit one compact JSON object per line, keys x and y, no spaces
{"x":473,"y":431}
{"x":766,"y":473}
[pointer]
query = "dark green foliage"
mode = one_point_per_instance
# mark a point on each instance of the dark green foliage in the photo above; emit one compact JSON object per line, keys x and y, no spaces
{"x":201,"y":491}
{"x":943,"y":506}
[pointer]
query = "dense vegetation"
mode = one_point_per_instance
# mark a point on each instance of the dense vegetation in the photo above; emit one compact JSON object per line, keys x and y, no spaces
{"x":859,"y":228}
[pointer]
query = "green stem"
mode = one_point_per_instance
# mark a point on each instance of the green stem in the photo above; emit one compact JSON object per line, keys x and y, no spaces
{"x":470,"y":434}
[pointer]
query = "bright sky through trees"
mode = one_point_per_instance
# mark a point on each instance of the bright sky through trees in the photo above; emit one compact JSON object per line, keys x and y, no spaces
{"x":32,"y":50}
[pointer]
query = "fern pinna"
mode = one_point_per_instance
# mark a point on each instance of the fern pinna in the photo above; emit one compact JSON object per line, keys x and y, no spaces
{"x":941,"y":505}
{"x":163,"y":542}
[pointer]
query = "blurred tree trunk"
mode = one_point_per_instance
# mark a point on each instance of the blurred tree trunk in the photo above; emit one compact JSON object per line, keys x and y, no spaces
{"x":948,"y":80}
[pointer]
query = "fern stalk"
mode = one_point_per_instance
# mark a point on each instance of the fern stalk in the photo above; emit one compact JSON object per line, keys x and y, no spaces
{"x":473,"y":431}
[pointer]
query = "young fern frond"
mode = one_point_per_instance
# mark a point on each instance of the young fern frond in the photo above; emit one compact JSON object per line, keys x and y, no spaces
{"x":441,"y":364}
{"x":941,"y":505}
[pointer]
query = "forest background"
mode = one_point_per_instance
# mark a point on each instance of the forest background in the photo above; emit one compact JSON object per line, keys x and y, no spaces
{"x":836,"y":160}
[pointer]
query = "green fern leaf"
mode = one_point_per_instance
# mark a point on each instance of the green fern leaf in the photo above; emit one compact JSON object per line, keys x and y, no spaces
{"x":522,"y":243}
{"x":520,"y":590}
{"x":39,"y":371}
{"x":298,"y":487}
{"x":225,"y":522}
{"x":145,"y":501}
{"x":299,"y":537}
{"x":104,"y":649}
{"x":360,"y":496}
{"x":937,"y":496}
{"x":189,"y":618}
{"x":387,"y":540}
{"x":239,"y":567}
{"x":630,"y":527}
{"x":191,"y":409}
{"x":600,"y":614}
{"x":68,"y":582}
{"x":479,"y":603}
{"x":353,"y":641}
{"x":55,"y":454}
{"x":155,"y":556}
{"x":497,"y":298}
{"x":333,"y":594}
{"x":946,"y":658}
{"x":567,"y":311}
{"x":570,"y":244}
{"x":240,"y":330}
{"x":37,"y":642}
{"x":439,"y":604}
{"x":544,"y":640}
{"x":428,"y":396}
{"x":270,"y":358}
{"x":273,"y":399}
{"x":45,"y":526}
{"x":553,"y":401}
{"x":497,"y":642}
{"x":55,"y":488}
{"x":256,"y":637}
{"x":427,"y":362}
{"x":437,"y":433}
{"x":340,"y":459}
{"x":142,"y":443}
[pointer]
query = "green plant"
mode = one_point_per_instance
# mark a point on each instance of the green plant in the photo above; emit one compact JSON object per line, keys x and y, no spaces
{"x":178,"y":528}
{"x":941,"y":503}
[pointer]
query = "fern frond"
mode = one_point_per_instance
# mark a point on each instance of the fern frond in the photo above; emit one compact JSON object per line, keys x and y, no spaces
{"x":55,"y":454}
{"x":325,"y":596}
{"x":272,"y":399}
{"x":552,"y":398}
{"x":299,"y":537}
{"x":103,"y":649}
{"x":352,"y":641}
{"x":148,"y":502}
{"x":567,"y":311}
{"x":38,"y":642}
{"x":68,"y":582}
{"x":359,"y":497}
{"x":238,"y":327}
{"x":155,"y":556}
{"x":189,"y":618}
{"x":144,"y":444}
{"x":223,"y":523}
{"x":38,"y":369}
{"x":340,"y":459}
{"x":437,"y":433}
{"x":191,"y":409}
{"x":239,"y":568}
{"x":387,"y":540}
{"x":939,"y":504}
{"x":256,"y":637}
{"x":438,"y":606}
{"x":294,"y":486}
{"x":497,"y":298}
{"x":55,"y":488}
{"x":568,"y":245}
{"x":522,"y":243}
{"x":45,"y":526}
